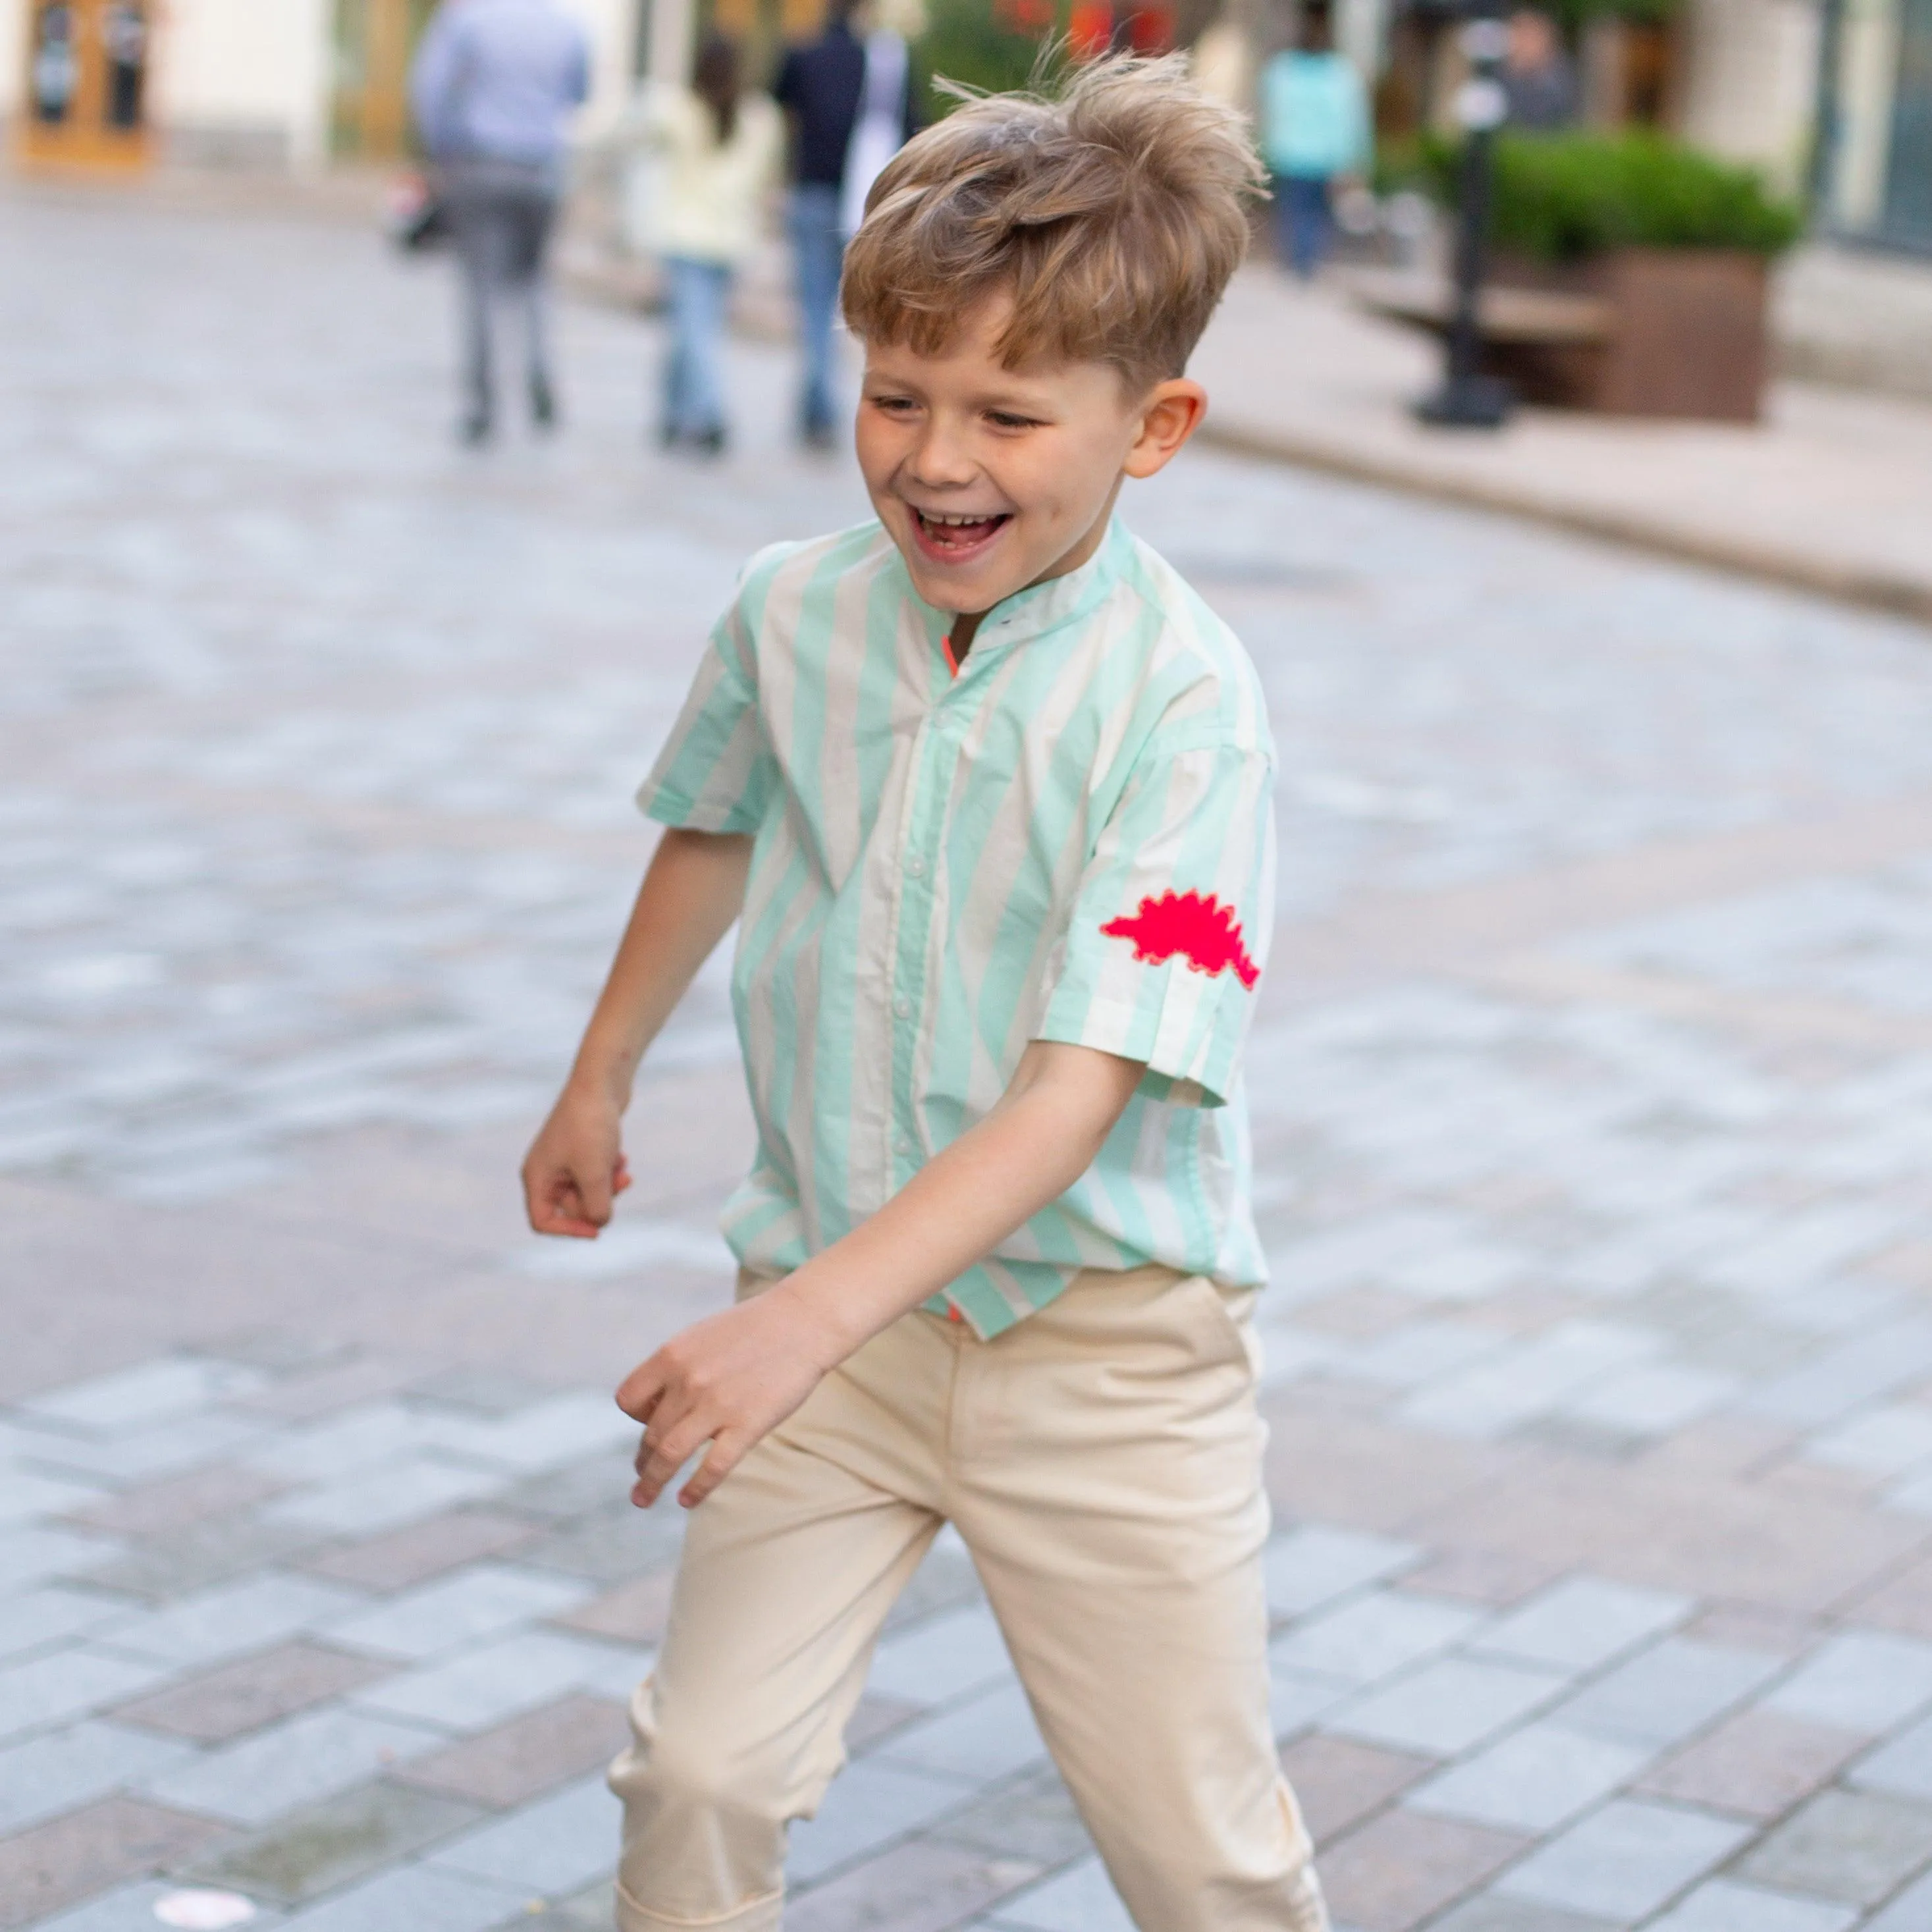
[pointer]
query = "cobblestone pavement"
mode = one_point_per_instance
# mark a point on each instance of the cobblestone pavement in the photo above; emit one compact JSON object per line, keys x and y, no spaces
{"x":1594,"y":1098}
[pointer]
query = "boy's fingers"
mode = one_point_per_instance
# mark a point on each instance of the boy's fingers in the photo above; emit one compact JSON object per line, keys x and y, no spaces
{"x":670,"y":1452}
{"x":727,"y":1451}
{"x":641,"y":1390}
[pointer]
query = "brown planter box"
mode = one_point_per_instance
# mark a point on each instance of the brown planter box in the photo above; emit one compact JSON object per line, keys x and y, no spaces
{"x":1687,"y":335}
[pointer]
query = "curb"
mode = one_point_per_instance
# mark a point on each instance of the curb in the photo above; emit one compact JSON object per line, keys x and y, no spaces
{"x":1871,"y":590}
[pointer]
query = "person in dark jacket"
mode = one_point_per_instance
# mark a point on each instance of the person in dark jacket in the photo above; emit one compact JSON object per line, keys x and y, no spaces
{"x":493,"y":84}
{"x":820,"y":86}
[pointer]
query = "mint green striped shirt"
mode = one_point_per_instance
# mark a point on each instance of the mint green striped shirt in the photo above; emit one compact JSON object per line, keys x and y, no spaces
{"x":1071,"y":839}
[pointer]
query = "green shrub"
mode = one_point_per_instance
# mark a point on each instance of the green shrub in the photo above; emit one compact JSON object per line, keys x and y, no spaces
{"x":994,"y":48}
{"x":1559,"y":197}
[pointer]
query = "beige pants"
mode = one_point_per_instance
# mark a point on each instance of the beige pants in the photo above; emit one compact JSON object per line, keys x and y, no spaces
{"x":1101,"y":1461}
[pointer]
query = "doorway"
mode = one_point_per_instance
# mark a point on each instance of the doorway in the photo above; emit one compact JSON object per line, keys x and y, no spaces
{"x":369,"y":117}
{"x":85,"y":102}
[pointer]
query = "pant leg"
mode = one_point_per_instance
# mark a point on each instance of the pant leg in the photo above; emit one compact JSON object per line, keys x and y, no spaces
{"x":536,"y":222}
{"x":476,"y":231}
{"x":787,"y":1573}
{"x":1107,"y":1478}
{"x":704,"y":349}
{"x":1312,"y":223}
{"x":820,"y":252}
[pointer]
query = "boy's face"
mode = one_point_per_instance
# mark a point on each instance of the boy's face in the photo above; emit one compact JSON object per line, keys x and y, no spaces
{"x":990,"y":479}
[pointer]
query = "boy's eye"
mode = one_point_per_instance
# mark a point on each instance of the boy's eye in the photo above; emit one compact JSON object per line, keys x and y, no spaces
{"x":897,"y":404}
{"x":1005,"y":419}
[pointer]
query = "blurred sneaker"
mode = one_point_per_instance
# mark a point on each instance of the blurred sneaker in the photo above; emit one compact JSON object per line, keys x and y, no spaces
{"x":543,"y":402}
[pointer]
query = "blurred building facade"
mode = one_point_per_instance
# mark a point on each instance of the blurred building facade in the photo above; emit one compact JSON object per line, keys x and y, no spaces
{"x":274,"y":83}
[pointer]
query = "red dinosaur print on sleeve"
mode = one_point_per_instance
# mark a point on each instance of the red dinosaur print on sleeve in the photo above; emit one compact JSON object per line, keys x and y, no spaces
{"x":1203,"y":931}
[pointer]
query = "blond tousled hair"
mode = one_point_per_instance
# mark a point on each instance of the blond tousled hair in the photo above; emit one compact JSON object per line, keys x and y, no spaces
{"x":1112,"y":215}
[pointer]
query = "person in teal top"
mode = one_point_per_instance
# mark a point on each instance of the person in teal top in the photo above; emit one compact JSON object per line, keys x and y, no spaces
{"x":1315,"y":130}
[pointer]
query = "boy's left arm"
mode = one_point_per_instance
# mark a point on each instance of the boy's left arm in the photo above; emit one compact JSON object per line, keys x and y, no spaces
{"x":731,"y":1379}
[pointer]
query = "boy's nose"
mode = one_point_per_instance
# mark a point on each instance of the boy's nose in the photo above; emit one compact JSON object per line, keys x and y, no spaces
{"x":941,"y":458}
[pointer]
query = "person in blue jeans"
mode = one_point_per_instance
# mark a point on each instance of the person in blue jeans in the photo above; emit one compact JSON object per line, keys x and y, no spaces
{"x":819,"y":85}
{"x":718,"y":142}
{"x":1314,"y":131}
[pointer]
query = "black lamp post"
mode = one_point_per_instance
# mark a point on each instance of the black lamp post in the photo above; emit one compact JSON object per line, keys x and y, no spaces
{"x":1467,"y":399}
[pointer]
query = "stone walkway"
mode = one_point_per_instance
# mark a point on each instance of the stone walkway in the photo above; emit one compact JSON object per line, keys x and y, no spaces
{"x":1593,"y":1104}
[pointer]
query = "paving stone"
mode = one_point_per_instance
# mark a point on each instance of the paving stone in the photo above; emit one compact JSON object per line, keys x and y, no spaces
{"x":989,"y":1735}
{"x":59,"y":1770}
{"x":298,"y":1761}
{"x":211,"y":1553}
{"x":1298,"y":1700}
{"x":1903,"y":1604}
{"x":1532,"y":1781}
{"x":32,"y":1554}
{"x":160,"y":1509}
{"x":870,"y":1803}
{"x":1885,"y":1441}
{"x":1496,"y":1578}
{"x":131,"y":1908}
{"x":146,"y":1455}
{"x":1312,"y":1566}
{"x":61,"y":1685}
{"x":1338,"y":1784}
{"x":1371,"y":1637}
{"x":876,"y":1718}
{"x":1395,"y":1870}
{"x":28,"y":1496}
{"x":633,"y":1612}
{"x":1624,"y":1860}
{"x":487,"y":1392}
{"x":1911,"y":1910}
{"x":1447,"y":1707}
{"x":945,"y":1580}
{"x":1031,"y":1817}
{"x":419,"y":1898}
{"x":565,"y":1429}
{"x":498,"y":1679}
{"x":1723,"y":1905}
{"x":1854,"y":1846}
{"x":1902,"y":1768}
{"x":38,"y":1618}
{"x":1864,"y":1681}
{"x":57,"y":1864}
{"x":399,"y":1492}
{"x":616,"y":1544}
{"x":132,"y":1398}
{"x":1491,"y":1912}
{"x":1080,"y":1899}
{"x":237,"y":1616}
{"x":921,"y":1886}
{"x":1667,"y":1692}
{"x":556,"y":1845}
{"x":1758,"y":1763}
{"x":312,"y":1851}
{"x":224,"y":1703}
{"x":403,"y":1558}
{"x":1580,"y":1623}
{"x":945,"y":1656}
{"x":521,"y":1759}
{"x":593,"y":1910}
{"x":479,"y":1601}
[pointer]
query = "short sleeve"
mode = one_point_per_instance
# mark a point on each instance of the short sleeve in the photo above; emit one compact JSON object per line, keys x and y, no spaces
{"x":1170,"y":930}
{"x":716,"y":773}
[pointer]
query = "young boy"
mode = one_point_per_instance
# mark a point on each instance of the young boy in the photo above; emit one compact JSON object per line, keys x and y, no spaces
{"x":987,"y":789}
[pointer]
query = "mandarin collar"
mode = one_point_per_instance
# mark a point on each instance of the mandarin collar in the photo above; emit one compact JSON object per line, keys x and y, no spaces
{"x":1041,"y":607}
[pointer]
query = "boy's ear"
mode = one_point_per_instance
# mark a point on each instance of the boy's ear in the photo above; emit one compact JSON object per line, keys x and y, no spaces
{"x":1171,"y":412}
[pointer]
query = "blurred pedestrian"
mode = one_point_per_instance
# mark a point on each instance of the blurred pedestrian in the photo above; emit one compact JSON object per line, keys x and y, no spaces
{"x":1315,"y":133}
{"x":494,"y":84}
{"x":887,"y":117}
{"x":1539,"y":77}
{"x":719,"y":143}
{"x":821,"y":86}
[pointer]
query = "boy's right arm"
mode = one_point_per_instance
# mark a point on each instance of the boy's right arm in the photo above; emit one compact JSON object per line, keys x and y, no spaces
{"x":691,"y":893}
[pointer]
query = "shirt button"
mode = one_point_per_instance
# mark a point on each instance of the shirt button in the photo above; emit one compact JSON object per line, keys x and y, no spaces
{"x":902,"y":1145}
{"x":903,"y":1007}
{"x":916,"y":865}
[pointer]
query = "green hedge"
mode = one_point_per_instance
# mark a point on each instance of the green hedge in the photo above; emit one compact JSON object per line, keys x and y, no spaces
{"x":1560,"y":197}
{"x":982,"y":45}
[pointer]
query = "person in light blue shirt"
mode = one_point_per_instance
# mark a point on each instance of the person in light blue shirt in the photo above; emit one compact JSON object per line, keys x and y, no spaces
{"x":1315,"y":130}
{"x":493,"y":85}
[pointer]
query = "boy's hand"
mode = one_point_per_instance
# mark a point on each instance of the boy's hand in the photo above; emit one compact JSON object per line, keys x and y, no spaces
{"x":575,"y":1168}
{"x":728,"y":1380}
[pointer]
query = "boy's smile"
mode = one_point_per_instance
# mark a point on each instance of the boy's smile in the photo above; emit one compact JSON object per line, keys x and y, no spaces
{"x":991,"y":479}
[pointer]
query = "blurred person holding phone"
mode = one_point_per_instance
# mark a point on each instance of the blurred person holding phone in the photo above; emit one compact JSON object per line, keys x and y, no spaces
{"x":492,"y":86}
{"x":1539,"y":78}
